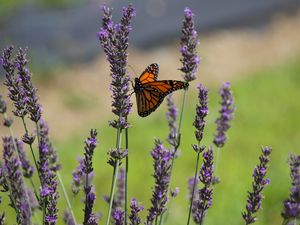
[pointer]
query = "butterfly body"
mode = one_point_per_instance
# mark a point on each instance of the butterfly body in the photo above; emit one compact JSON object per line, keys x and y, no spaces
{"x":150,"y":92}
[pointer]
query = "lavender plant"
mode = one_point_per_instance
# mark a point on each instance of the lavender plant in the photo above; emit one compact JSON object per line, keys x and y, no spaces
{"x":18,"y":197}
{"x":162,"y":165}
{"x":114,"y":40}
{"x":199,"y":124}
{"x":190,"y":62}
{"x":134,"y":216}
{"x":204,"y":200}
{"x":291,"y":206}
{"x":226,"y":115}
{"x":255,"y":197}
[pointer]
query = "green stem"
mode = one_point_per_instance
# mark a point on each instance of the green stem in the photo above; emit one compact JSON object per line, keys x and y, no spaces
{"x":217,"y":160}
{"x":182,"y":109}
{"x":30,"y":145}
{"x":115,"y":175}
{"x":111,"y":198}
{"x":194,"y":185}
{"x":126,"y":173}
{"x":66,"y":197}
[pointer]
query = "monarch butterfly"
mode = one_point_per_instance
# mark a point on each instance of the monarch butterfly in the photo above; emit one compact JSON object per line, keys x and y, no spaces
{"x":150,"y":92}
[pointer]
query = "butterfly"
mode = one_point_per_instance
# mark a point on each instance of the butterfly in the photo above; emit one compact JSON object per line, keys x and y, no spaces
{"x":151,"y":92}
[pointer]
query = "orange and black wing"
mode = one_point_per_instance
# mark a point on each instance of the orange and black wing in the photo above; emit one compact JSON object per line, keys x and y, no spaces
{"x":152,"y":94}
{"x":150,"y":74}
{"x":166,"y":87}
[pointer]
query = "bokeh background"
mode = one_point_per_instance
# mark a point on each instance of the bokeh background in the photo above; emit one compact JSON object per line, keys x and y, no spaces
{"x":253,"y":44}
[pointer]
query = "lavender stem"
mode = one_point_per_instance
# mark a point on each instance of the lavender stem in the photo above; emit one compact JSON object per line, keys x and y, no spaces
{"x":30,"y":145}
{"x":126,"y":172}
{"x":194,"y":186}
{"x":217,"y":159}
{"x":115,"y":175}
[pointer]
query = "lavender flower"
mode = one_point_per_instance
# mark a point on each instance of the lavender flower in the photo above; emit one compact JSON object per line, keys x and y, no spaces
{"x":13,"y":83}
{"x":89,"y":216}
{"x":18,"y":196}
{"x":201,"y":113}
{"x":78,"y":176}
{"x":29,"y":91}
{"x":291,"y":206}
{"x":193,"y":187}
{"x":120,"y":198}
{"x":134,"y":217}
{"x":162,"y":167}
{"x":20,"y":87}
{"x":25,"y":163}
{"x":119,"y":216}
{"x":48,"y":192}
{"x":67,"y":217}
{"x":255,"y":197}
{"x":226,"y":115}
{"x":90,"y":145}
{"x":171,"y":115}
{"x":114,"y":40}
{"x":32,"y":200}
{"x":3,"y":181}
{"x":116,"y":155}
{"x":52,"y":153}
{"x":3,"y":107}
{"x":175,"y":192}
{"x":189,"y":42}
{"x":204,"y":199}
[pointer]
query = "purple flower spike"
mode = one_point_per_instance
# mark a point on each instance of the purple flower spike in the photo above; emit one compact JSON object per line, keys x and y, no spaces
{"x":18,"y":196}
{"x":15,"y":91}
{"x":190,"y":188}
{"x":30,"y":97}
{"x":3,"y":105}
{"x":120,"y":198}
{"x":189,"y":42}
{"x":134,"y":217}
{"x":119,"y":216}
{"x":68,"y":219}
{"x":226,"y":115}
{"x":48,"y":192}
{"x":291,"y":206}
{"x":114,"y":40}
{"x":83,"y":176}
{"x":7,"y":122}
{"x":203,"y":201}
{"x":52,"y":153}
{"x":20,"y":86}
{"x":255,"y":197}
{"x":162,"y":165}
{"x":175,"y":192}
{"x":201,"y":113}
{"x":25,"y":163}
{"x":172,"y":114}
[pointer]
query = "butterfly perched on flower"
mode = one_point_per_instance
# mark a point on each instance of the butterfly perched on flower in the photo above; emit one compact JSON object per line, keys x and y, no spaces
{"x":150,"y":92}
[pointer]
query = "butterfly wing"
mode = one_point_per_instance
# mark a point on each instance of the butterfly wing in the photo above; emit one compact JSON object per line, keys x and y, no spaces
{"x":147,"y":101}
{"x":150,"y":74}
{"x":152,"y":94}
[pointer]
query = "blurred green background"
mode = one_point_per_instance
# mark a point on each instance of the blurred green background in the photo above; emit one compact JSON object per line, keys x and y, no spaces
{"x":261,"y":62}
